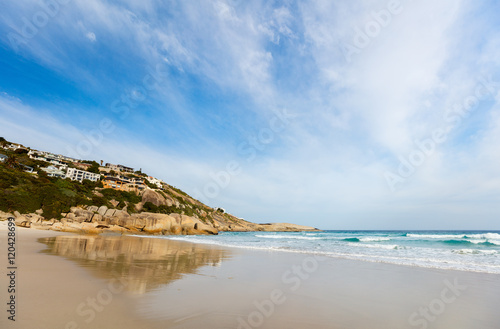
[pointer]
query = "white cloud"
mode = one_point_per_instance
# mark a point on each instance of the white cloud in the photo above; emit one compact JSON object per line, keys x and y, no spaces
{"x":91,"y":36}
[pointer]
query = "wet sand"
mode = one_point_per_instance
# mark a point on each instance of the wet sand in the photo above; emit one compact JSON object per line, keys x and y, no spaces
{"x":71,"y":281}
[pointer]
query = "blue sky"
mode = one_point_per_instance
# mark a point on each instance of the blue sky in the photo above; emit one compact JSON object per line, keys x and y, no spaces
{"x":335,"y":114}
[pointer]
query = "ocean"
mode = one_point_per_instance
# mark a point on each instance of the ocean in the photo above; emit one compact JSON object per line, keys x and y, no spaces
{"x":476,"y":251}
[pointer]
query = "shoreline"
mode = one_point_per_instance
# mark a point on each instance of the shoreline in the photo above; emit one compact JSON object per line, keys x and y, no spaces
{"x":163,"y":283}
{"x":333,"y":256}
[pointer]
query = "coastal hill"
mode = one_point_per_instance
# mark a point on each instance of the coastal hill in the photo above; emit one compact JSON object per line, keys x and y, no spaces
{"x":48,"y":191}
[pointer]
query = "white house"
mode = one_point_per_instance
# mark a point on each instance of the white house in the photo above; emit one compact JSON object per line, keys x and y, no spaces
{"x":54,"y":172}
{"x":155,"y":181}
{"x":80,"y":175}
{"x":3,"y":157}
{"x":15,"y":146}
{"x":45,"y":156}
{"x":119,"y":168}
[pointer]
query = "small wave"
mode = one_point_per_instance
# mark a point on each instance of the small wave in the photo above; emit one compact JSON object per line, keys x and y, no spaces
{"x":367,"y":239}
{"x":378,"y":246}
{"x":457,"y":242}
{"x":489,"y":236}
{"x":374,"y":239}
{"x":485,"y":242}
{"x":491,"y":243}
{"x":472,"y":242}
{"x":436,"y":236}
{"x":474,"y":252}
{"x":287,"y":237}
{"x":477,"y":241}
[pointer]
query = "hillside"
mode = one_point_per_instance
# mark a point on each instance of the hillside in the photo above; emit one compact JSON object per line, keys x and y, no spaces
{"x":125,"y":202}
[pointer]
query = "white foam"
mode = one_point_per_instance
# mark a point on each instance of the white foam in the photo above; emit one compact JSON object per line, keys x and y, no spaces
{"x":288,"y":237}
{"x":476,"y":241}
{"x":374,"y":239}
{"x":479,"y":241}
{"x":475,"y":251}
{"x":494,"y":236}
{"x":376,"y":246}
{"x":436,"y":236}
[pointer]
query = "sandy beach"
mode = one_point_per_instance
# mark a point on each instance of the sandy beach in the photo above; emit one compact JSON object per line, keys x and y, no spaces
{"x":70,"y":281}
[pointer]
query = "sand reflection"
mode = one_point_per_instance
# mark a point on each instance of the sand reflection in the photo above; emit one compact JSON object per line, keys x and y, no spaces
{"x":145,"y":263}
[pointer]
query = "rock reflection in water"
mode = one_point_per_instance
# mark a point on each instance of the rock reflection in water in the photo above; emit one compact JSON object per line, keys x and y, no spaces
{"x":144,"y":263}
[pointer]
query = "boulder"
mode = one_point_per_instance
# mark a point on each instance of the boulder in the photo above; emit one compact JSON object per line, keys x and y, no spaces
{"x":154,"y":197}
{"x":5,"y":215}
{"x":175,"y":230}
{"x":192,"y":226}
{"x":102,"y":210}
{"x":121,"y":213}
{"x":85,"y":214}
{"x":79,"y":219}
{"x":110,"y":212}
{"x":57,"y":226}
{"x":34,"y":218}
{"x":116,"y":229}
{"x":96,"y":218}
{"x":93,"y":208}
{"x":178,"y":217}
{"x":22,"y":221}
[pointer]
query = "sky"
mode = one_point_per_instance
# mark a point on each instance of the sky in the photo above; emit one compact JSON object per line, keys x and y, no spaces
{"x":332,"y":114}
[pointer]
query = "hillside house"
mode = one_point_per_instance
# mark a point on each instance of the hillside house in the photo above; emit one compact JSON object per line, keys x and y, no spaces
{"x":120,"y":168}
{"x":52,"y":171}
{"x":123,"y":183}
{"x":15,"y":146}
{"x":80,"y":175}
{"x":155,"y":181}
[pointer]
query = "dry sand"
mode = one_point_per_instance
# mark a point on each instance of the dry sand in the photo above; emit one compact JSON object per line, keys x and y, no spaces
{"x":133,"y":282}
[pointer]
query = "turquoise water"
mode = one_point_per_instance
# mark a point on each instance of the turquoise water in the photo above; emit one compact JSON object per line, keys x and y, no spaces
{"x":477,"y":251}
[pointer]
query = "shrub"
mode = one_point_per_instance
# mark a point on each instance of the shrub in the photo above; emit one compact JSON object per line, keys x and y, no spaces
{"x":150,"y":207}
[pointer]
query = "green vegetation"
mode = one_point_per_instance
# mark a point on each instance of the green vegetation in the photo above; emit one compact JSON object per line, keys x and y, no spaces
{"x":164,"y":209}
{"x":18,"y":158}
{"x":153,"y":186}
{"x":26,"y":193}
{"x":121,"y":196}
{"x":94,"y":168}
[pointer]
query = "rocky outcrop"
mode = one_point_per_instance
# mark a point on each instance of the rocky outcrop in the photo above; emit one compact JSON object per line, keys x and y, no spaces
{"x":201,"y":220}
{"x":90,"y":221}
{"x":80,"y":220}
{"x":285,"y":227}
{"x":157,"y":199}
